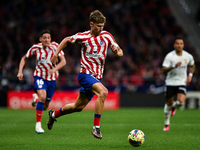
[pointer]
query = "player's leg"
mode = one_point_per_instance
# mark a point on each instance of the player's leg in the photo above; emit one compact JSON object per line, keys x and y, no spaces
{"x":78,"y":106}
{"x":101,"y":91}
{"x":180,"y":100}
{"x":167,"y":113}
{"x":181,"y":97}
{"x":39,"y":110}
{"x":50,"y":90}
{"x":40,"y":88}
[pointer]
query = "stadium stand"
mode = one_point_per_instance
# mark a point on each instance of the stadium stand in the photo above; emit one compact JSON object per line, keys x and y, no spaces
{"x":144,"y":29}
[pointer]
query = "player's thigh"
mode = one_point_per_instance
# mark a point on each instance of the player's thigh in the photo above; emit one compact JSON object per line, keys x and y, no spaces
{"x":81,"y":101}
{"x":42,"y":95}
{"x":181,"y":97}
{"x":99,"y":89}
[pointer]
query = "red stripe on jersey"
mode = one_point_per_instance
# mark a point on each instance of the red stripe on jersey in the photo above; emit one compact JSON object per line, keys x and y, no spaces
{"x":40,"y":54}
{"x":46,"y":53}
{"x":96,"y":62}
{"x":46,"y":70}
{"x":91,"y":46}
{"x":51,"y":76}
{"x":101,"y":60}
{"x":41,"y":72}
{"x":86,"y":59}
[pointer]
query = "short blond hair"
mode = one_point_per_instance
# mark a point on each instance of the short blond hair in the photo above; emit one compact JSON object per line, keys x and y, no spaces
{"x":97,"y":17}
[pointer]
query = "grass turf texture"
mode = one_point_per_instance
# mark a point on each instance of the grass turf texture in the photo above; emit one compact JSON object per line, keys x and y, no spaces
{"x":17,"y":130}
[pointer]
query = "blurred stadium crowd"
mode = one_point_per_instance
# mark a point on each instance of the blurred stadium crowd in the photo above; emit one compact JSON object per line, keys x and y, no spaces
{"x":144,"y":29}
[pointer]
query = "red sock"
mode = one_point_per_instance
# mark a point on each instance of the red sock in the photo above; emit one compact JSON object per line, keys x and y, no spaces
{"x":58,"y":113}
{"x":39,"y":115}
{"x":97,"y":119}
{"x":37,"y":100}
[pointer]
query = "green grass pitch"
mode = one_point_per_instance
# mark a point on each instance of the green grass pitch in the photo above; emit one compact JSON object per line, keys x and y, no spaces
{"x":73,"y":132}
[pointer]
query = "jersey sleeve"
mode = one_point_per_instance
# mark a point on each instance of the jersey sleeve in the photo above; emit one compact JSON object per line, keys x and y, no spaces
{"x":31,"y":51}
{"x":111,"y":39}
{"x":75,"y":38}
{"x":166,"y":62}
{"x":191,"y":62}
{"x":61,"y":53}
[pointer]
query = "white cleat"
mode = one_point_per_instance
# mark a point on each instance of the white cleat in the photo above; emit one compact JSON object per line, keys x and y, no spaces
{"x":38,"y":128}
{"x":35,"y":96}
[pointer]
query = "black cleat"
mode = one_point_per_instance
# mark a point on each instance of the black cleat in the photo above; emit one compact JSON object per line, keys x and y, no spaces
{"x":51,"y":120}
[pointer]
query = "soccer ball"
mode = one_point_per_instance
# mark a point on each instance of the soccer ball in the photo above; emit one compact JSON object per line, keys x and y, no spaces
{"x":136,"y":137}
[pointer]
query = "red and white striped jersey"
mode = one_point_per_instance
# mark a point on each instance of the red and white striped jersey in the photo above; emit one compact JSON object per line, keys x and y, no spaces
{"x":43,"y":63}
{"x":93,"y":51}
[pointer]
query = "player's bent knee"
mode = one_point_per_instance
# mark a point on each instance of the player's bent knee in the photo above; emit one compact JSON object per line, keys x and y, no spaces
{"x":103,"y":95}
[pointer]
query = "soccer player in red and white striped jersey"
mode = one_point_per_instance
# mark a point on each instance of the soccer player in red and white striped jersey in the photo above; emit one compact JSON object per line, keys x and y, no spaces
{"x":94,"y":47}
{"x":45,"y":73}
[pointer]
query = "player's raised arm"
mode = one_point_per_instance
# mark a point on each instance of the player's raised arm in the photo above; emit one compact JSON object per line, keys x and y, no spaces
{"x":61,"y":46}
{"x":116,"y":50}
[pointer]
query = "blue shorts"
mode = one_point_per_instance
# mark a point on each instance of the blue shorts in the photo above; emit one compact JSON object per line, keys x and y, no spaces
{"x":86,"y":81}
{"x":49,"y":86}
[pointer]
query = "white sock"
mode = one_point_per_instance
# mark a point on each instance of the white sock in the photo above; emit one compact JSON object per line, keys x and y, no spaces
{"x":38,"y":124}
{"x":96,"y":127}
{"x":53,"y":115}
{"x":167,"y":112}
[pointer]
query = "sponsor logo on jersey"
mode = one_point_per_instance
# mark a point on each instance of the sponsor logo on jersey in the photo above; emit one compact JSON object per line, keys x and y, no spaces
{"x":92,"y":55}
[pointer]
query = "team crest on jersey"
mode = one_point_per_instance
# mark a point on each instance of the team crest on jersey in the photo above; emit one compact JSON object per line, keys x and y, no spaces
{"x":49,"y":50}
{"x":102,"y":43}
{"x":185,"y":61}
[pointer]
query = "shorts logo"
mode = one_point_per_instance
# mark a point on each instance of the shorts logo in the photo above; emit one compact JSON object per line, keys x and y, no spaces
{"x":40,"y":83}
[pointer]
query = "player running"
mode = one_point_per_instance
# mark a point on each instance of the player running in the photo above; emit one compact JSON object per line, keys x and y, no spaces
{"x":45,"y":74}
{"x":175,"y":66}
{"x":94,"y":46}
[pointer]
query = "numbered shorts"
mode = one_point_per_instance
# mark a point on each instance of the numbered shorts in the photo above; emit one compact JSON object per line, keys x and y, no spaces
{"x":86,"y":81}
{"x":49,"y":86}
{"x":173,"y":90}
